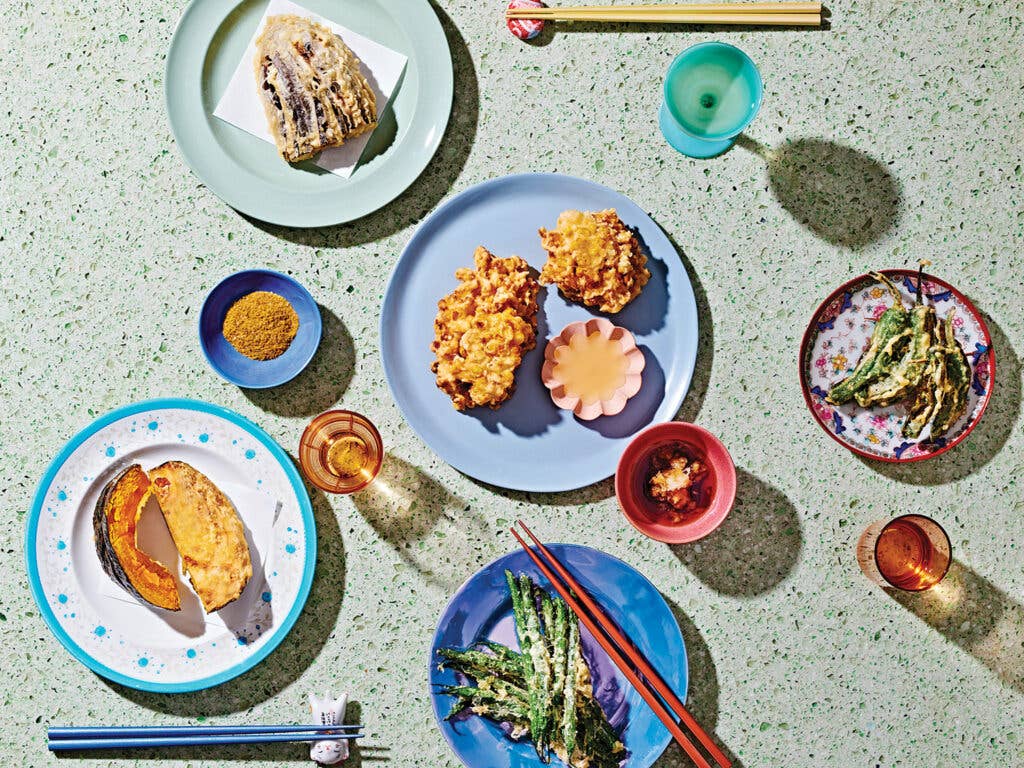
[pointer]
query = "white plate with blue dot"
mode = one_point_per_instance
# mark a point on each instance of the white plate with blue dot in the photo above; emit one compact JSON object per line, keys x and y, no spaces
{"x":144,"y":647}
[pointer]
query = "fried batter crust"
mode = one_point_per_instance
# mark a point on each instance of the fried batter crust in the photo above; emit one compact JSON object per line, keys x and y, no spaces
{"x":594,"y":259}
{"x":483,"y":328}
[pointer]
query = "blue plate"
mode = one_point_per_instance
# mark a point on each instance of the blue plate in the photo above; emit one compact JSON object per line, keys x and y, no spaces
{"x":232,"y":364}
{"x":482,"y":609}
{"x":528,"y":444}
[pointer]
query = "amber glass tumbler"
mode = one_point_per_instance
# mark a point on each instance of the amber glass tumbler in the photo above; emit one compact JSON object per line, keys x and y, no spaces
{"x":341,"y":452}
{"x":911,"y":552}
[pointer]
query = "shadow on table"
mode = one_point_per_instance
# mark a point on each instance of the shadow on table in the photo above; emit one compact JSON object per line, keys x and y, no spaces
{"x":975,"y":615}
{"x":588,"y":494}
{"x":291,"y":658}
{"x":988,"y":437}
{"x":705,"y":342}
{"x":297,"y":753}
{"x":702,"y":695}
{"x":322,"y":383}
{"x":431,"y":185}
{"x":406,"y":506}
{"x":360,"y":752}
{"x":842,"y":195}
{"x":756,"y":546}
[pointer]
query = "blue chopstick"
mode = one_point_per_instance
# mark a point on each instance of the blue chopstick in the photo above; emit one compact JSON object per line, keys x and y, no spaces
{"x":59,"y":745}
{"x":118,"y":731}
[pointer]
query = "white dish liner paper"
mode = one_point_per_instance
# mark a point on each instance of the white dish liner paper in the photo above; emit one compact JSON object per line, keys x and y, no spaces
{"x":240,"y":105}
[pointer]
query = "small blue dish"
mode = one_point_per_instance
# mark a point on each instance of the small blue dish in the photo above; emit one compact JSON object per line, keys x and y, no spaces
{"x":231,"y":364}
{"x":482,"y":609}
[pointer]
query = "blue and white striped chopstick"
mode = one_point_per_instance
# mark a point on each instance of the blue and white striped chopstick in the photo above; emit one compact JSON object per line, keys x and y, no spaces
{"x":72,"y":738}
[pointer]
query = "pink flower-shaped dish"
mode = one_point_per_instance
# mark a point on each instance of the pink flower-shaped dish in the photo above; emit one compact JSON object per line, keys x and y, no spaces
{"x":592,"y":368}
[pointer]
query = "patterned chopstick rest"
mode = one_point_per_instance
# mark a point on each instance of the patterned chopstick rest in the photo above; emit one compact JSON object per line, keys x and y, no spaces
{"x":328,"y":711}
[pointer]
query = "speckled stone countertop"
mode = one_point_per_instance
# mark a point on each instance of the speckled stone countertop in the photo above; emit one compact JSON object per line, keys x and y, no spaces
{"x":905,"y":123}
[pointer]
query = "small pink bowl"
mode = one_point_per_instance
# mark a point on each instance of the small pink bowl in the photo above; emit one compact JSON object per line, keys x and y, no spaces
{"x":635,"y":466}
{"x":570,"y":401}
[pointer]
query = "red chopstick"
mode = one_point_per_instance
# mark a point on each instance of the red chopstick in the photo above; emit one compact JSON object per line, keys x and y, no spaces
{"x":614,"y":642}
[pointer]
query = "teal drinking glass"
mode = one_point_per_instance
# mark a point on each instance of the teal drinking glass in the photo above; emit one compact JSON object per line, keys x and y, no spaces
{"x":712,"y":92}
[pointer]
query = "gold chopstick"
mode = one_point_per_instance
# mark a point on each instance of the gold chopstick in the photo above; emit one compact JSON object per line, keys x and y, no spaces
{"x":788,"y":14}
{"x":738,"y":7}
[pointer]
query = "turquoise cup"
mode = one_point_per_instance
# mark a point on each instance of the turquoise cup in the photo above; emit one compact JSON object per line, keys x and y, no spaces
{"x":712,"y":92}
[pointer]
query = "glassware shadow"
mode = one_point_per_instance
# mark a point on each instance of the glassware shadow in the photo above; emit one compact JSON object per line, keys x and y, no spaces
{"x":322,"y":383}
{"x":975,"y":615}
{"x":288,"y":661}
{"x":433,"y":183}
{"x":405,"y":506}
{"x":988,"y":437}
{"x":756,"y":546}
{"x":842,"y":195}
{"x":703,"y":693}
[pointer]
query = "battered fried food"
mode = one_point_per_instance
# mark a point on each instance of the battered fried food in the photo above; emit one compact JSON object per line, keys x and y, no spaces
{"x":594,"y":259}
{"x":483,"y":328}
{"x":312,"y":89}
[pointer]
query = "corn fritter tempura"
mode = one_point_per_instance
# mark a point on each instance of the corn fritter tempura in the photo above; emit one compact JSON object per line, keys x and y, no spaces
{"x":483,"y":328}
{"x":594,"y":259}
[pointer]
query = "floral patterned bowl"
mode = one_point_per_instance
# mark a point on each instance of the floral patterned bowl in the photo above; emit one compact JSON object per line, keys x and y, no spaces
{"x":563,"y":397}
{"x":837,"y":336}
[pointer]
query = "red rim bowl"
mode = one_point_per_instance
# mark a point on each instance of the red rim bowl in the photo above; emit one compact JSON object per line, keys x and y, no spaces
{"x":634,"y":466}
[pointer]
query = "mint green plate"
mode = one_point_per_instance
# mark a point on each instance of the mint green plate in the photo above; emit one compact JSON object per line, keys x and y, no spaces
{"x":247,"y":173}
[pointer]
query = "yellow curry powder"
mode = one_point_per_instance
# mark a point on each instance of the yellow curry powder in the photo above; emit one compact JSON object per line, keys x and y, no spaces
{"x":261,"y":325}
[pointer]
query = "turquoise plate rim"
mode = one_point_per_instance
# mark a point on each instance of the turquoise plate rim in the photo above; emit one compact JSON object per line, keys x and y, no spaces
{"x":305,"y":507}
{"x":358,"y":195}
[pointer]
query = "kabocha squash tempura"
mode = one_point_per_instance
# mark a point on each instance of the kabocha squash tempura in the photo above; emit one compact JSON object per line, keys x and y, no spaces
{"x":912,"y":358}
{"x":544,"y":690}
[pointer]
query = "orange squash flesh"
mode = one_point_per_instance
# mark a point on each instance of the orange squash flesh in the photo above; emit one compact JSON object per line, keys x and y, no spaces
{"x":115,"y":523}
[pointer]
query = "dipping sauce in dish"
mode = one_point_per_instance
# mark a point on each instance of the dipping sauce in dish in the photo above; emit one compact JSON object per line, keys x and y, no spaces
{"x":675,"y":482}
{"x":591,"y":367}
{"x":679,"y":481}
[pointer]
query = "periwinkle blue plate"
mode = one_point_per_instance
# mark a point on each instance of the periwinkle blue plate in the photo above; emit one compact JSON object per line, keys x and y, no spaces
{"x":528,"y":444}
{"x":232,"y":364}
{"x":482,"y":610}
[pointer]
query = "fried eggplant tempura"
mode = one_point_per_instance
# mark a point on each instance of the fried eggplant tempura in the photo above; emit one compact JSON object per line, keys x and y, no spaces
{"x":483,"y":328}
{"x":594,"y":259}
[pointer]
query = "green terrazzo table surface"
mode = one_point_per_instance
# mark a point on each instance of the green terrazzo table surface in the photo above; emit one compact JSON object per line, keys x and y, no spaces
{"x":894,"y":135}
